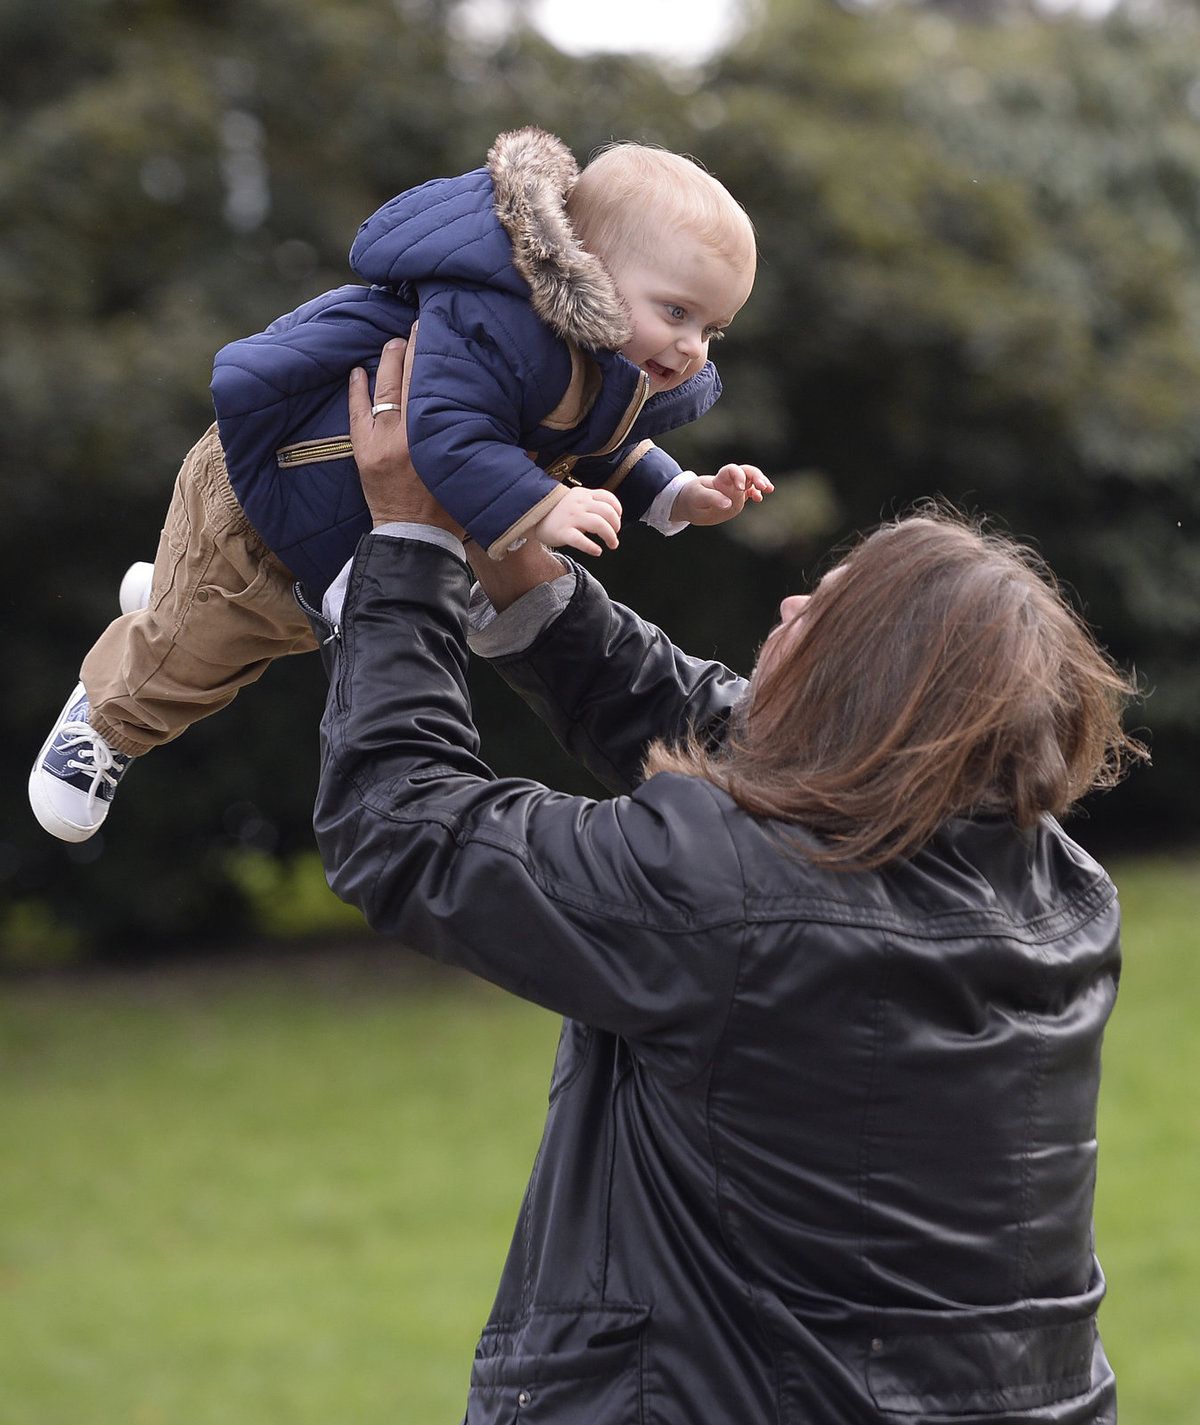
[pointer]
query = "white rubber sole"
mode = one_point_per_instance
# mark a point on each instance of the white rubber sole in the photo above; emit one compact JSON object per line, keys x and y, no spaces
{"x":49,"y":817}
{"x":135,"y":587}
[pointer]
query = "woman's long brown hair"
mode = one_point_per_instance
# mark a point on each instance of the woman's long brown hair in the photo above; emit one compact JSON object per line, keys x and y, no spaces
{"x":941,"y":673}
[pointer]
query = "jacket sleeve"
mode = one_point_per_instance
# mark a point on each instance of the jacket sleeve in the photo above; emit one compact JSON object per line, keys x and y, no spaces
{"x":468,"y":395}
{"x":606,"y":684}
{"x":624,"y":914}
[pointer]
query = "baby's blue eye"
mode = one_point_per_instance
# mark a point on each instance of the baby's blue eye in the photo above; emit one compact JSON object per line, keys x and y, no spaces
{"x":676,"y":313}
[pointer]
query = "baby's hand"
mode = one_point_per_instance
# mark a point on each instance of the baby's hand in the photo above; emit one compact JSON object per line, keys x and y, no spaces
{"x":713,"y":499}
{"x":579,"y":513}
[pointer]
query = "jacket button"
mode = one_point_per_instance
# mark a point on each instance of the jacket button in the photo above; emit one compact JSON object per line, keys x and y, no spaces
{"x":523,"y":1399}
{"x":202,"y":596}
{"x":877,"y":1345}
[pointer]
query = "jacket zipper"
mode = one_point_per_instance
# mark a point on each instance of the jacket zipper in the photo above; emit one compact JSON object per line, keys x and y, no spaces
{"x":335,"y":629}
{"x":632,"y":412}
{"x":328,"y":656}
{"x":561,"y":468}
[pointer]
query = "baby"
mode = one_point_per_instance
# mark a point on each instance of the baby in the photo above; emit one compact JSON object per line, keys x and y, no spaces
{"x":565,"y":319}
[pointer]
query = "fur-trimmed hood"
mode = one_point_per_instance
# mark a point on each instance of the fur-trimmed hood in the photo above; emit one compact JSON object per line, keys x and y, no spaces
{"x":572,"y":291}
{"x":506,"y":227}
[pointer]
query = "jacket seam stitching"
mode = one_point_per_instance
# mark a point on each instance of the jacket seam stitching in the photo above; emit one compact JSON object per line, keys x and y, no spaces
{"x":1034,"y":1092}
{"x":610,"y":1173}
{"x":728,"y":1235}
{"x":379,"y":237}
{"x":870,"y":1108}
{"x":719,"y":1038}
{"x":941,"y":925}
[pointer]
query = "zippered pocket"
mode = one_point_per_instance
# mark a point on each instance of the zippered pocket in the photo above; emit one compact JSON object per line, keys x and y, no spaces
{"x":311,"y":452}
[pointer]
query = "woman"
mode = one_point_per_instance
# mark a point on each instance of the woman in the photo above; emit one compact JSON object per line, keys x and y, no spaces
{"x":821,"y":1138}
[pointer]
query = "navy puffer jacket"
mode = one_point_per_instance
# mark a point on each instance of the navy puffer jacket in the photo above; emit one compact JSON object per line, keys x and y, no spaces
{"x":516,"y":382}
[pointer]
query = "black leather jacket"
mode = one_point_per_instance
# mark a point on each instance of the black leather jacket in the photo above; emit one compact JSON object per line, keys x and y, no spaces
{"x":820,"y":1147}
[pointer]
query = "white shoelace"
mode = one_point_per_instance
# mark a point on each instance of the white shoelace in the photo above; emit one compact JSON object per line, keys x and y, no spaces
{"x":100,"y":758}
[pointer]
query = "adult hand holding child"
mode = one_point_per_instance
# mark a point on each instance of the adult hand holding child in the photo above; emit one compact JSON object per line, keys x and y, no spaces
{"x":394,"y":492}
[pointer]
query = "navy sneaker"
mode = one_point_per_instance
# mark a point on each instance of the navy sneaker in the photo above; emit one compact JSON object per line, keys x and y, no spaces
{"x":75,"y":776}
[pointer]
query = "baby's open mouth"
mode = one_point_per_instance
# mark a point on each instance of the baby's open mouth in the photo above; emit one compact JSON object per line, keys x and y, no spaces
{"x":663,"y":373}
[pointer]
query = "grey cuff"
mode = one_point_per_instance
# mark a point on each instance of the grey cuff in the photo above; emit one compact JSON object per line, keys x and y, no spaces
{"x":497,"y":635}
{"x":430,"y":533}
{"x":335,"y":596}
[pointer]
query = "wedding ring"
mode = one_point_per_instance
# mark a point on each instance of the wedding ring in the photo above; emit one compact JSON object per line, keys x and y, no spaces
{"x":384,"y":406}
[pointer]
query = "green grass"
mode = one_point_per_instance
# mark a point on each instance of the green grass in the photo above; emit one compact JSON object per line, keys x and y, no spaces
{"x":276,"y":1195}
{"x":1148,"y":1191}
{"x":282,"y":1199}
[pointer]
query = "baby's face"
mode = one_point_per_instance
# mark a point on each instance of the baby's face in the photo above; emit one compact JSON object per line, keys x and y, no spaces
{"x":680,"y":298}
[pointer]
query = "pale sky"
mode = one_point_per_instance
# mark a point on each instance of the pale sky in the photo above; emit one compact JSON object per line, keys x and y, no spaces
{"x":681,"y":29}
{"x":686,"y":30}
{"x":1085,"y":7}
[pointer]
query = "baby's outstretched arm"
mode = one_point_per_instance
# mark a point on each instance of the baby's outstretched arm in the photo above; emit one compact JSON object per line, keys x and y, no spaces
{"x":713,"y":499}
{"x":581,"y":512}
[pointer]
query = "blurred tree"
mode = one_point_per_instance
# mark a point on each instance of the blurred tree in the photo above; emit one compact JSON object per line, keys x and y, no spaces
{"x":167,"y":183}
{"x":985,"y":237}
{"x":979,"y":277}
{"x":172,"y":177}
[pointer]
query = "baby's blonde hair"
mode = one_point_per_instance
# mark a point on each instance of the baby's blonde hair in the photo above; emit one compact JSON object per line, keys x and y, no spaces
{"x":629,"y":192}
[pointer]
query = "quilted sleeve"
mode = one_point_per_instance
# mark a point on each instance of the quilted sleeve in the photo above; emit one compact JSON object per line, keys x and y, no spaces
{"x":468,"y":394}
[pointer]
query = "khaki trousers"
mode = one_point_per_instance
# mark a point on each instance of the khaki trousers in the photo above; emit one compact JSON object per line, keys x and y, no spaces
{"x":221,"y":609}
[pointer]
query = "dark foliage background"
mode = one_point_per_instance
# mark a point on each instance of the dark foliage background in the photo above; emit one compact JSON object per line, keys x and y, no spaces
{"x":979,"y":279}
